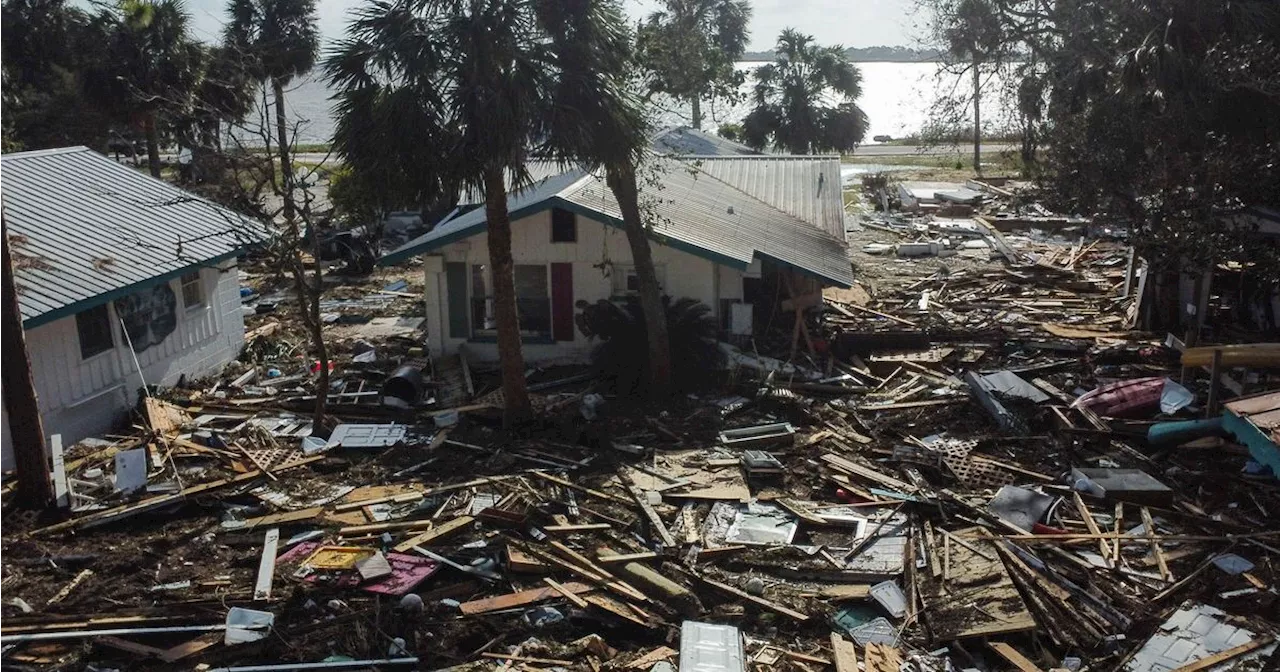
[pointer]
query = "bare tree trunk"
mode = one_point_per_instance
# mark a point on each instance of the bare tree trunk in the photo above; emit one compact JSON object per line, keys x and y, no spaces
{"x":514,"y":389}
{"x":317,"y":332}
{"x":622,"y":181}
{"x":20,"y":403}
{"x":286,"y":167}
{"x":697,"y":112}
{"x":153,"y":142}
{"x":977,"y":120}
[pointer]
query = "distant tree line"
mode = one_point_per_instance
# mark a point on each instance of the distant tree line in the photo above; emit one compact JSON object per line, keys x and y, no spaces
{"x":888,"y":54}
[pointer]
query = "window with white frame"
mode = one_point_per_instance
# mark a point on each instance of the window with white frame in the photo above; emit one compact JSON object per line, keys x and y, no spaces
{"x":192,"y":291}
{"x":533,"y":300}
{"x":627,"y":283}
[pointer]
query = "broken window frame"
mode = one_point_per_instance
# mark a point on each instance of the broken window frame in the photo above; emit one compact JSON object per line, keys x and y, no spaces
{"x":624,"y":283}
{"x":97,"y":337}
{"x":533,"y":310}
{"x":192,"y":287}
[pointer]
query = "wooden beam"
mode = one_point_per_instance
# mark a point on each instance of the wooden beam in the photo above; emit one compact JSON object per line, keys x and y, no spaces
{"x":1161,"y":562}
{"x":267,"y":565}
{"x":1013,"y":656}
{"x":435,"y":534}
{"x":1090,"y":523}
{"x":520,"y":599}
{"x":1206,"y":663}
{"x":846,"y":656}
{"x":568,"y":594}
{"x":771,"y":606}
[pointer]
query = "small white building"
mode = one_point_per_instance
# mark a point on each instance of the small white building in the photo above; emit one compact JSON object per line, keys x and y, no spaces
{"x":122,"y":279}
{"x":718,"y":224}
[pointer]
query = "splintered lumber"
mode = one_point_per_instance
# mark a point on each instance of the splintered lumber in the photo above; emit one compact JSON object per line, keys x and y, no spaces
{"x":283,"y":518}
{"x":584,"y":527}
{"x":191,"y":647}
{"x":975,"y":596}
{"x":570,"y":484}
{"x":869,"y":311}
{"x":435,"y":534}
{"x":618,"y":608}
{"x":568,"y":594}
{"x":1150,"y":527}
{"x":125,"y":511}
{"x":848,"y":591}
{"x":771,"y":606}
{"x":526,"y":659}
{"x":66,"y":590}
{"x":1223,"y":656}
{"x":1014,"y":657}
{"x":131,"y":647}
{"x":1093,"y":527}
{"x":799,"y":511}
{"x":853,"y":468}
{"x":609,"y":580}
{"x":655,"y":521}
{"x":647,"y":660}
{"x":520,"y":599}
{"x":881,"y":658}
{"x":607,"y":559}
{"x":845,"y":655}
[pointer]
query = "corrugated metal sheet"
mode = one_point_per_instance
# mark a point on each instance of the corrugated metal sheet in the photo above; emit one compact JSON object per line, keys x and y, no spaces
{"x":703,"y":212}
{"x":690,"y":141}
{"x":84,"y":229}
{"x":539,"y":171}
{"x":695,"y":212}
{"x":805,"y":186}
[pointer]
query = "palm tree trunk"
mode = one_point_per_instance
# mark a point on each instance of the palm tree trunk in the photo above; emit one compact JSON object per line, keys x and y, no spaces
{"x":697,"y":112}
{"x":317,"y":333}
{"x":622,"y":182}
{"x":20,"y":402}
{"x":153,"y":142}
{"x":282,"y":131}
{"x":514,"y":390}
{"x":977,"y":120}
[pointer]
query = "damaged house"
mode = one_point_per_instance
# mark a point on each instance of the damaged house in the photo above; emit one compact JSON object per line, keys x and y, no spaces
{"x":122,"y":279}
{"x":736,"y":233}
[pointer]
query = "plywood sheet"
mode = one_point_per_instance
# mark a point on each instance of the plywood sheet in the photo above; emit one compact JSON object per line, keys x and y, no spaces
{"x":975,"y":597}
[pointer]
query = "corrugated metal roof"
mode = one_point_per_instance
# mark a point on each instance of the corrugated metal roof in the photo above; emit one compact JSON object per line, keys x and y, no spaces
{"x":696,"y":213}
{"x":538,"y":171}
{"x":84,"y":229}
{"x":805,"y":186}
{"x":685,"y":140}
{"x":470,"y":222}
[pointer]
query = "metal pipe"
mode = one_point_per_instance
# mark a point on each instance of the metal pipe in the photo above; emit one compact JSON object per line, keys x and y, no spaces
{"x":80,"y":634}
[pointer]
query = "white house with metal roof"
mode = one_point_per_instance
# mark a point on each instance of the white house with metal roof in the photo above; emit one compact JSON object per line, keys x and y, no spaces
{"x":718,"y":225}
{"x":122,"y":279}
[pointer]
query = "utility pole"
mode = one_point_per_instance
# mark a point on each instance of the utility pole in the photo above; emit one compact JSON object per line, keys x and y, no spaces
{"x":35,"y":491}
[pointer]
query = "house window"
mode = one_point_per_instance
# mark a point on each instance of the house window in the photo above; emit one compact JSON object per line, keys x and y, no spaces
{"x":93,"y":326}
{"x":627,"y":283}
{"x":192,"y":291}
{"x":564,"y":226}
{"x":533,"y":301}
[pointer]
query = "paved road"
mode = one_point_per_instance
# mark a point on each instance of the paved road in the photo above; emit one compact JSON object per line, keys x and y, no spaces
{"x":912,"y":150}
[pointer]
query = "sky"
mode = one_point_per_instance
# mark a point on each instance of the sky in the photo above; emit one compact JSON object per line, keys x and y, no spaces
{"x":852,"y":23}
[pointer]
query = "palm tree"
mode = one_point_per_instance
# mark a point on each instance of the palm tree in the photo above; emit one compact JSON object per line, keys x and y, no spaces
{"x":805,"y":99}
{"x":281,"y":41}
{"x":974,"y":34}
{"x":596,"y":120}
{"x":152,"y":65}
{"x":689,"y":49}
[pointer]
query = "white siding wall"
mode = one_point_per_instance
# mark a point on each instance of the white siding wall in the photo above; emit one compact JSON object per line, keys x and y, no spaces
{"x":81,"y":398}
{"x":685,"y":275}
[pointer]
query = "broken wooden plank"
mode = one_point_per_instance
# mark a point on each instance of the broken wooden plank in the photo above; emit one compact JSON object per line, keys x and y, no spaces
{"x":841,"y":464}
{"x":521,"y":598}
{"x":435,"y":534}
{"x":283,"y":518}
{"x":584,"y":527}
{"x":66,"y":590}
{"x":845,"y":655}
{"x":741,"y":594}
{"x":131,"y":647}
{"x":626,"y":557}
{"x":1223,"y":656}
{"x":1150,"y":528}
{"x":267,"y":565}
{"x":1014,"y":657}
{"x":570,"y":484}
{"x":568,"y":594}
{"x":1092,"y":525}
{"x":647,"y":660}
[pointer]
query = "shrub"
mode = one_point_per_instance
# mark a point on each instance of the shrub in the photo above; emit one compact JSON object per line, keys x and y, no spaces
{"x":622,"y":356}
